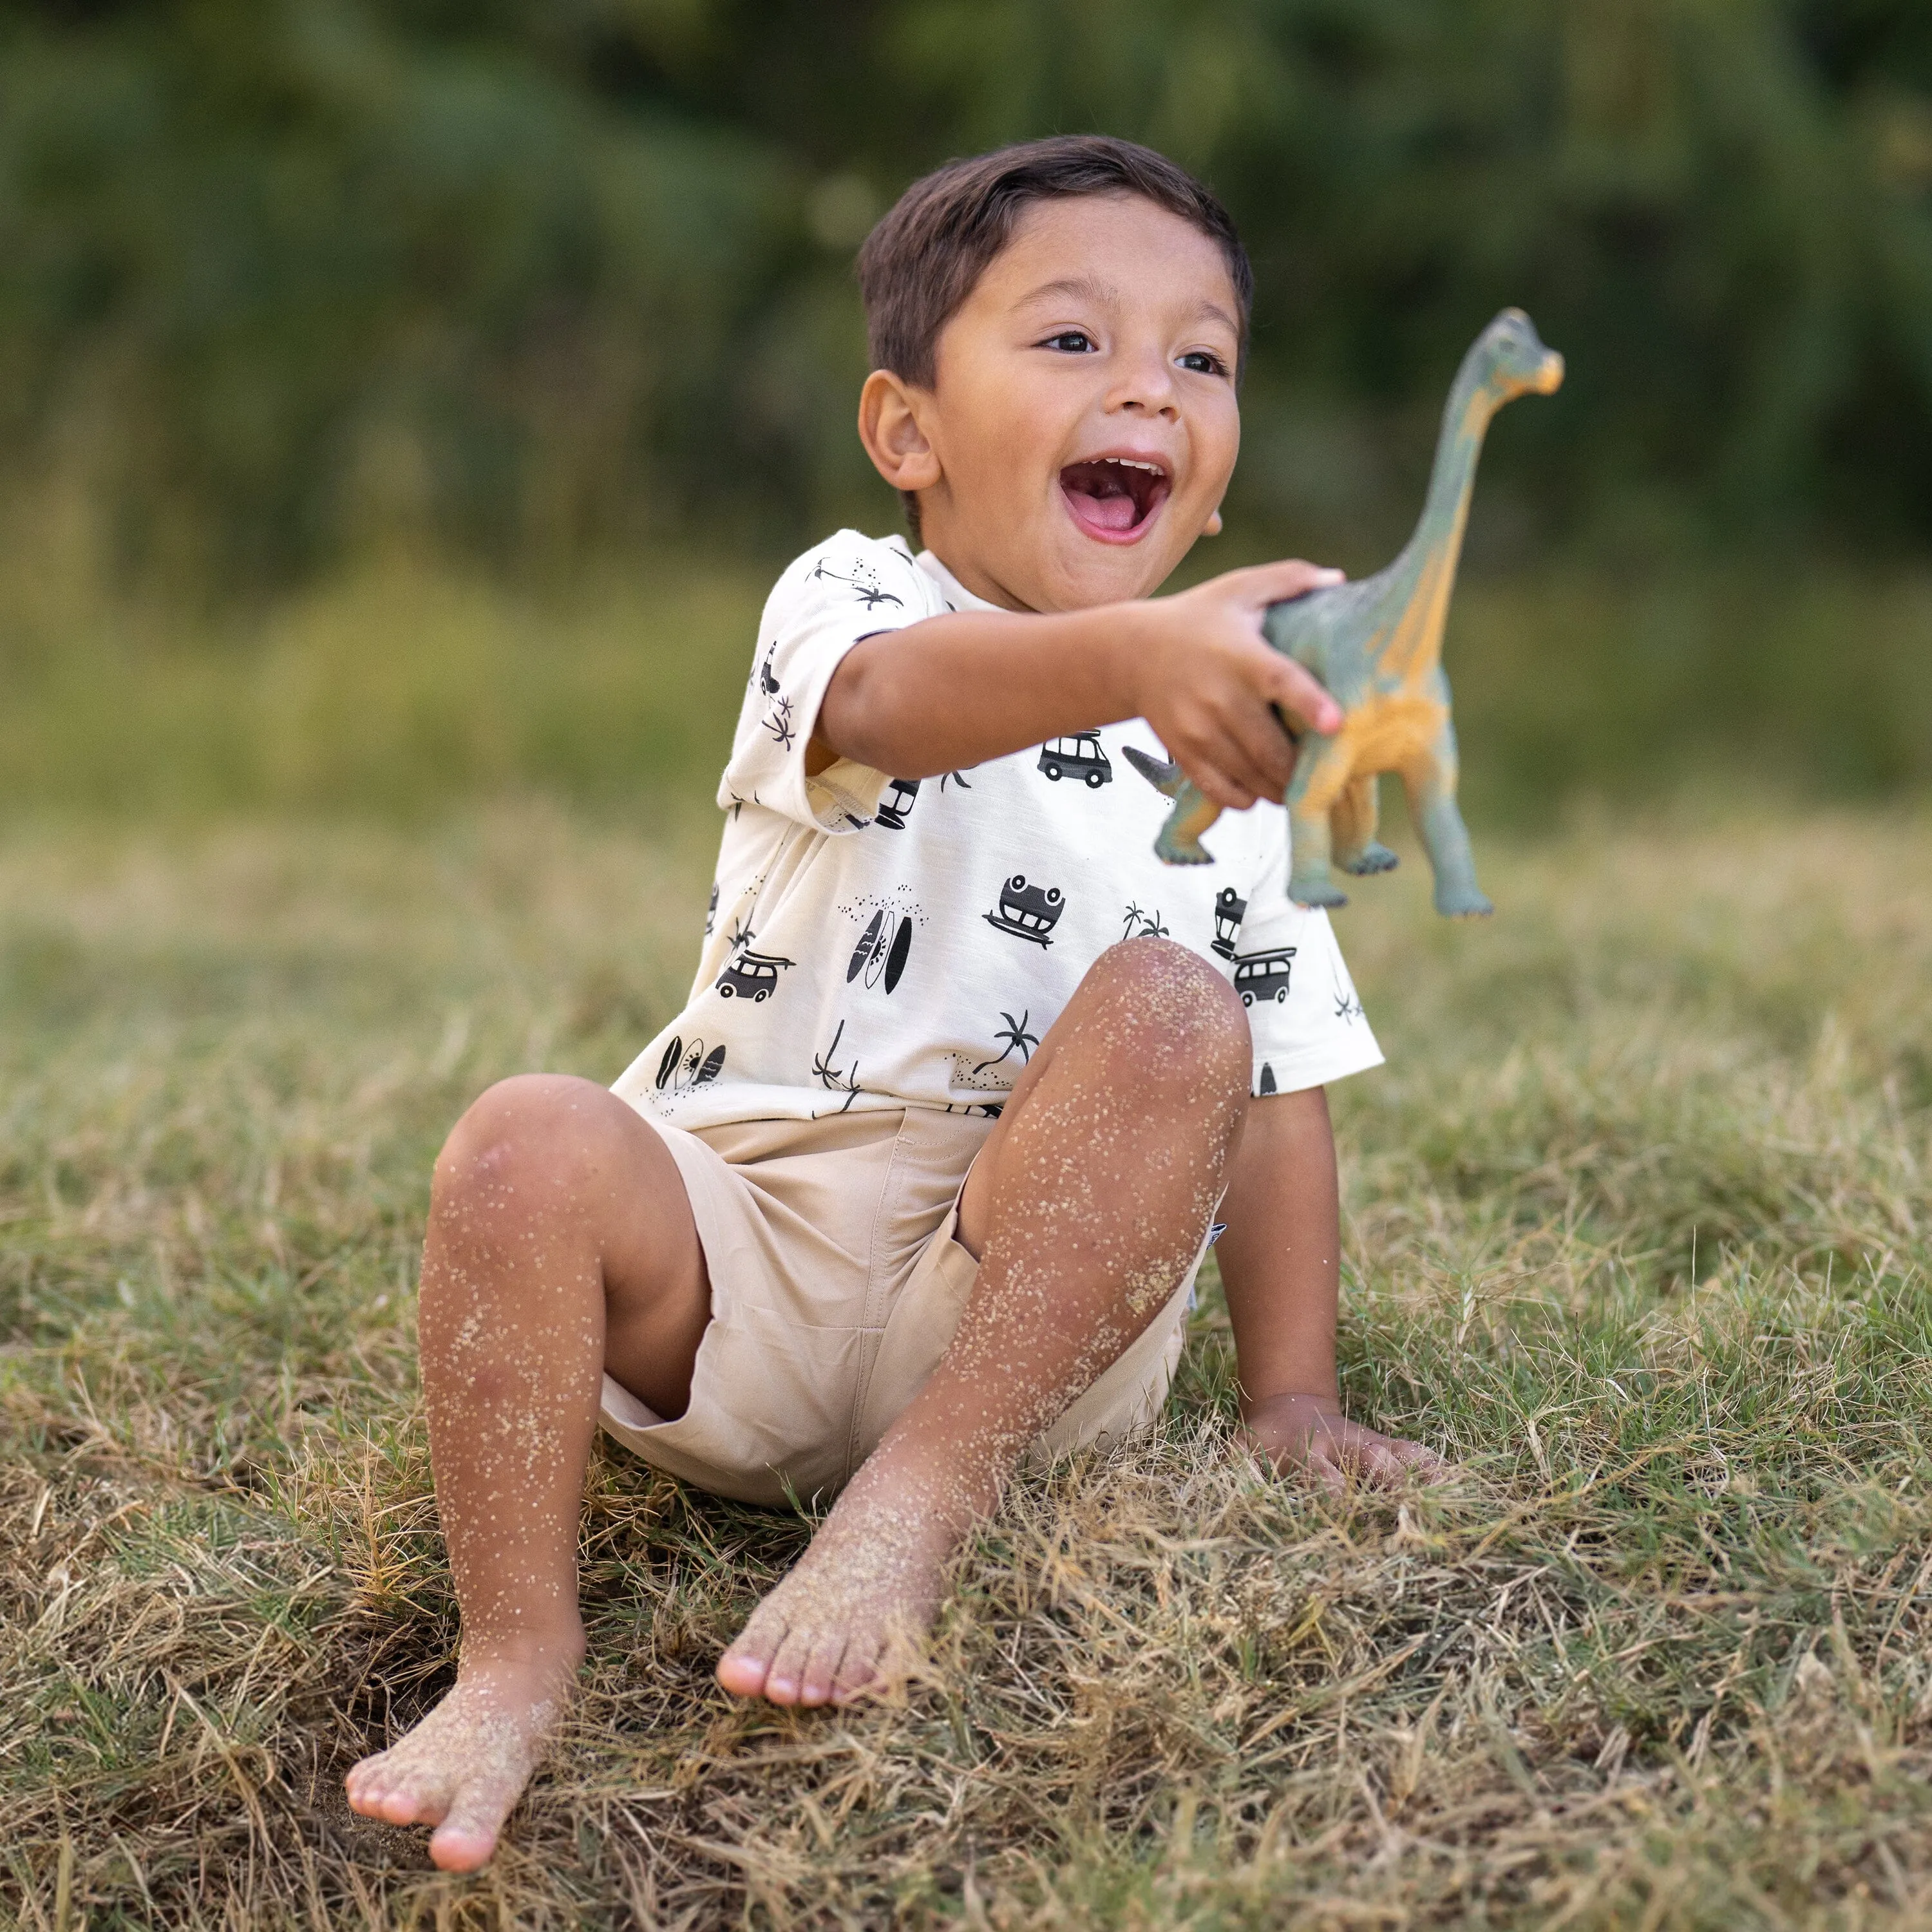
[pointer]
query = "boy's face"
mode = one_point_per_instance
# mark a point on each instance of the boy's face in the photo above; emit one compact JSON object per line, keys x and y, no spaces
{"x":1083,"y":424}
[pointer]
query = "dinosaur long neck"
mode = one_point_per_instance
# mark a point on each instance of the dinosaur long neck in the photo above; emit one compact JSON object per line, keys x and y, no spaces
{"x":1428,"y":560}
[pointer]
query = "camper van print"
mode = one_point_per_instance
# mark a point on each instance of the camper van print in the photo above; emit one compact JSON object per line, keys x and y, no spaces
{"x":897,"y":802}
{"x":1077,"y":756}
{"x":1263,"y":975}
{"x":751,"y":976}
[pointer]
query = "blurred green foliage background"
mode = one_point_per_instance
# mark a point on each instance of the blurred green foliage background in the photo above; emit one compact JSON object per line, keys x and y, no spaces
{"x":402,"y":400}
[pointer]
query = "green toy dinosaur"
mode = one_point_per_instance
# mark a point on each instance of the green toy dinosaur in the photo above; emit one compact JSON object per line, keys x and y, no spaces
{"x":1377,"y":645}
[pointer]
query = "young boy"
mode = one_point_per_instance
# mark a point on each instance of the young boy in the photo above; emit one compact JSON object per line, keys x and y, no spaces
{"x":920,"y":1176}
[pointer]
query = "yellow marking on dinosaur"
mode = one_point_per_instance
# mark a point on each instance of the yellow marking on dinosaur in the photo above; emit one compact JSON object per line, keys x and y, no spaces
{"x":1386,"y":731}
{"x":1189,"y":828}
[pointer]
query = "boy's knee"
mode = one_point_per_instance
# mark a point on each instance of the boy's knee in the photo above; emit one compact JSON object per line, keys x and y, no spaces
{"x":532,"y":1130}
{"x":1187,"y":1025}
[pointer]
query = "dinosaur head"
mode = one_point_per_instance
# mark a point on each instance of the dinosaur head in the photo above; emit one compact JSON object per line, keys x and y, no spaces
{"x":1514,"y":361}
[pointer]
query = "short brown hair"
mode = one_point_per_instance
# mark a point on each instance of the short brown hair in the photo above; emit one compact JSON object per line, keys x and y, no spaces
{"x":928,"y":253}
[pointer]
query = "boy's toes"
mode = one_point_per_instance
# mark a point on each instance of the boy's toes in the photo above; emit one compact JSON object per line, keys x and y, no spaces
{"x":371,"y":1786}
{"x":361,"y":1782}
{"x":411,"y":1801}
{"x":784,"y":1684}
{"x":861,"y":1670}
{"x":465,"y":1839}
{"x":745,"y":1668}
{"x":821,"y":1669}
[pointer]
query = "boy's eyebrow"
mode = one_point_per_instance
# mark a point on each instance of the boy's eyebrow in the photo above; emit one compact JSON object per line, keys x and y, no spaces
{"x":1091,"y":288}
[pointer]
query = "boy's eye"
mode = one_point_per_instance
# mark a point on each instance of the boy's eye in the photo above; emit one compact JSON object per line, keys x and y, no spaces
{"x":1070,"y":342}
{"x":1204,"y":362}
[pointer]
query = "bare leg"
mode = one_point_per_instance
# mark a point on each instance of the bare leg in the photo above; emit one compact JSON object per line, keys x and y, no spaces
{"x":559,"y":1239}
{"x":1086,"y":1205}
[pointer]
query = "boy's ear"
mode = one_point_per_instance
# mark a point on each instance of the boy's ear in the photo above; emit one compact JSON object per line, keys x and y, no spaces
{"x":893,"y":428}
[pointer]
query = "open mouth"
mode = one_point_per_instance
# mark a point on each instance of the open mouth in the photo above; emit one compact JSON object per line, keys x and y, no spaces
{"x":1114,"y":498}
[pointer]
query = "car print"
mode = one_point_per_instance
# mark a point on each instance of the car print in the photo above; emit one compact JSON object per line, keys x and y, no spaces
{"x":1028,"y":912}
{"x":1261,"y":976}
{"x":751,"y":976}
{"x":1080,"y":757}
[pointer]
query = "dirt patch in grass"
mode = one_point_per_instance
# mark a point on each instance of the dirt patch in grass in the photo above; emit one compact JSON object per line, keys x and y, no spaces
{"x":1639,"y":1223}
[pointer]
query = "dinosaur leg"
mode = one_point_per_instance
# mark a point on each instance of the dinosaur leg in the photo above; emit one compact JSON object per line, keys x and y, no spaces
{"x":1357,"y":848}
{"x":1179,"y":842}
{"x":1321,"y":778}
{"x":1431,"y":784}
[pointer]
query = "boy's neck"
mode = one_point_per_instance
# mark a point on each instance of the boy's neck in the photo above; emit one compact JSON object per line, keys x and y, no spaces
{"x":965,"y":570}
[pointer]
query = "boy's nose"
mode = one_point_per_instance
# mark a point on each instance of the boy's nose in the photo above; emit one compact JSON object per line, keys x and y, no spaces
{"x":1146,"y":399}
{"x":1147,"y":387}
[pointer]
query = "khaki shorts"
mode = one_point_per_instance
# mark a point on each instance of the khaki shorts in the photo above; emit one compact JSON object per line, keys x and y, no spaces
{"x":835,"y":1285}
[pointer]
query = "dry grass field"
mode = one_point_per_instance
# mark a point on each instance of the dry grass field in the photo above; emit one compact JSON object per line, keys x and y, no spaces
{"x":1639,"y":1231}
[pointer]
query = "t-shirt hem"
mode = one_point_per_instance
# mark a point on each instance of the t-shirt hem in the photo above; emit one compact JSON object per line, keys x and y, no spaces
{"x":768,"y":1103}
{"x":1295,"y":1073}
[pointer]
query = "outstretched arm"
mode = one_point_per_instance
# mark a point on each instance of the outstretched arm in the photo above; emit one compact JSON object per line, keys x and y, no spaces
{"x":950,"y":691}
{"x":1281,"y":1268}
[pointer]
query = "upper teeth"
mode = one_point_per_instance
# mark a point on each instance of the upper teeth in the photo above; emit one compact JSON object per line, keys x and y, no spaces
{"x":1129,"y":463}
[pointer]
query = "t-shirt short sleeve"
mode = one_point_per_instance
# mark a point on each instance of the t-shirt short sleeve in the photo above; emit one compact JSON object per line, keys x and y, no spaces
{"x":1307,"y":1024}
{"x":849,"y":588}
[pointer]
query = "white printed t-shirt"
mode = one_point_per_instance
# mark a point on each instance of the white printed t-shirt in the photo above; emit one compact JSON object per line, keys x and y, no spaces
{"x":877,"y":942}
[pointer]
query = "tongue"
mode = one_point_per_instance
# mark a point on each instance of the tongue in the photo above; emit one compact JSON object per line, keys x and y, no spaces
{"x":1114,"y":511}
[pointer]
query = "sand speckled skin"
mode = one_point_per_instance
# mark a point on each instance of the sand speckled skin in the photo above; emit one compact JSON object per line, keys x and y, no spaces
{"x":1377,"y":645}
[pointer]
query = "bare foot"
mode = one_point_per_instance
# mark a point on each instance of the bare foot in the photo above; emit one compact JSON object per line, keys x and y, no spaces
{"x":856,"y":1603}
{"x":463,"y":1768}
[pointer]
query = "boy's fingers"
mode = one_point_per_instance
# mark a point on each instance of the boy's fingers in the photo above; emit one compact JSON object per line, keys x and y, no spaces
{"x":1391,"y":1459}
{"x":1257,"y":754}
{"x":1239,"y":740}
{"x":1270,"y":583}
{"x":1300,"y":693}
{"x":1214,"y":781}
{"x":1273,"y":749}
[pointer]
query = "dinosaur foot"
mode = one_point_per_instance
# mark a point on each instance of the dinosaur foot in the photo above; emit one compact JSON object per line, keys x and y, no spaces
{"x":1373,"y":857}
{"x":1311,"y":894}
{"x":1182,"y":852}
{"x":1463,"y":902}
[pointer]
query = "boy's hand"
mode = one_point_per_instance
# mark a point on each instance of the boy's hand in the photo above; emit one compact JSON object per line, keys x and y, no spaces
{"x":1310,"y":1432}
{"x":1205,"y":678}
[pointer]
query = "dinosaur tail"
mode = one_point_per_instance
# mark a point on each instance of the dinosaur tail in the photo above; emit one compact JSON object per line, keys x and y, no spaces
{"x":1179,"y":843}
{"x":1166,"y":779}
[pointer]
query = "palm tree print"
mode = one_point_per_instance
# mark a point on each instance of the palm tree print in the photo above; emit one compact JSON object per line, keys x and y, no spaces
{"x":831,"y":1077}
{"x":863,"y":580}
{"x":1018,"y":1040}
